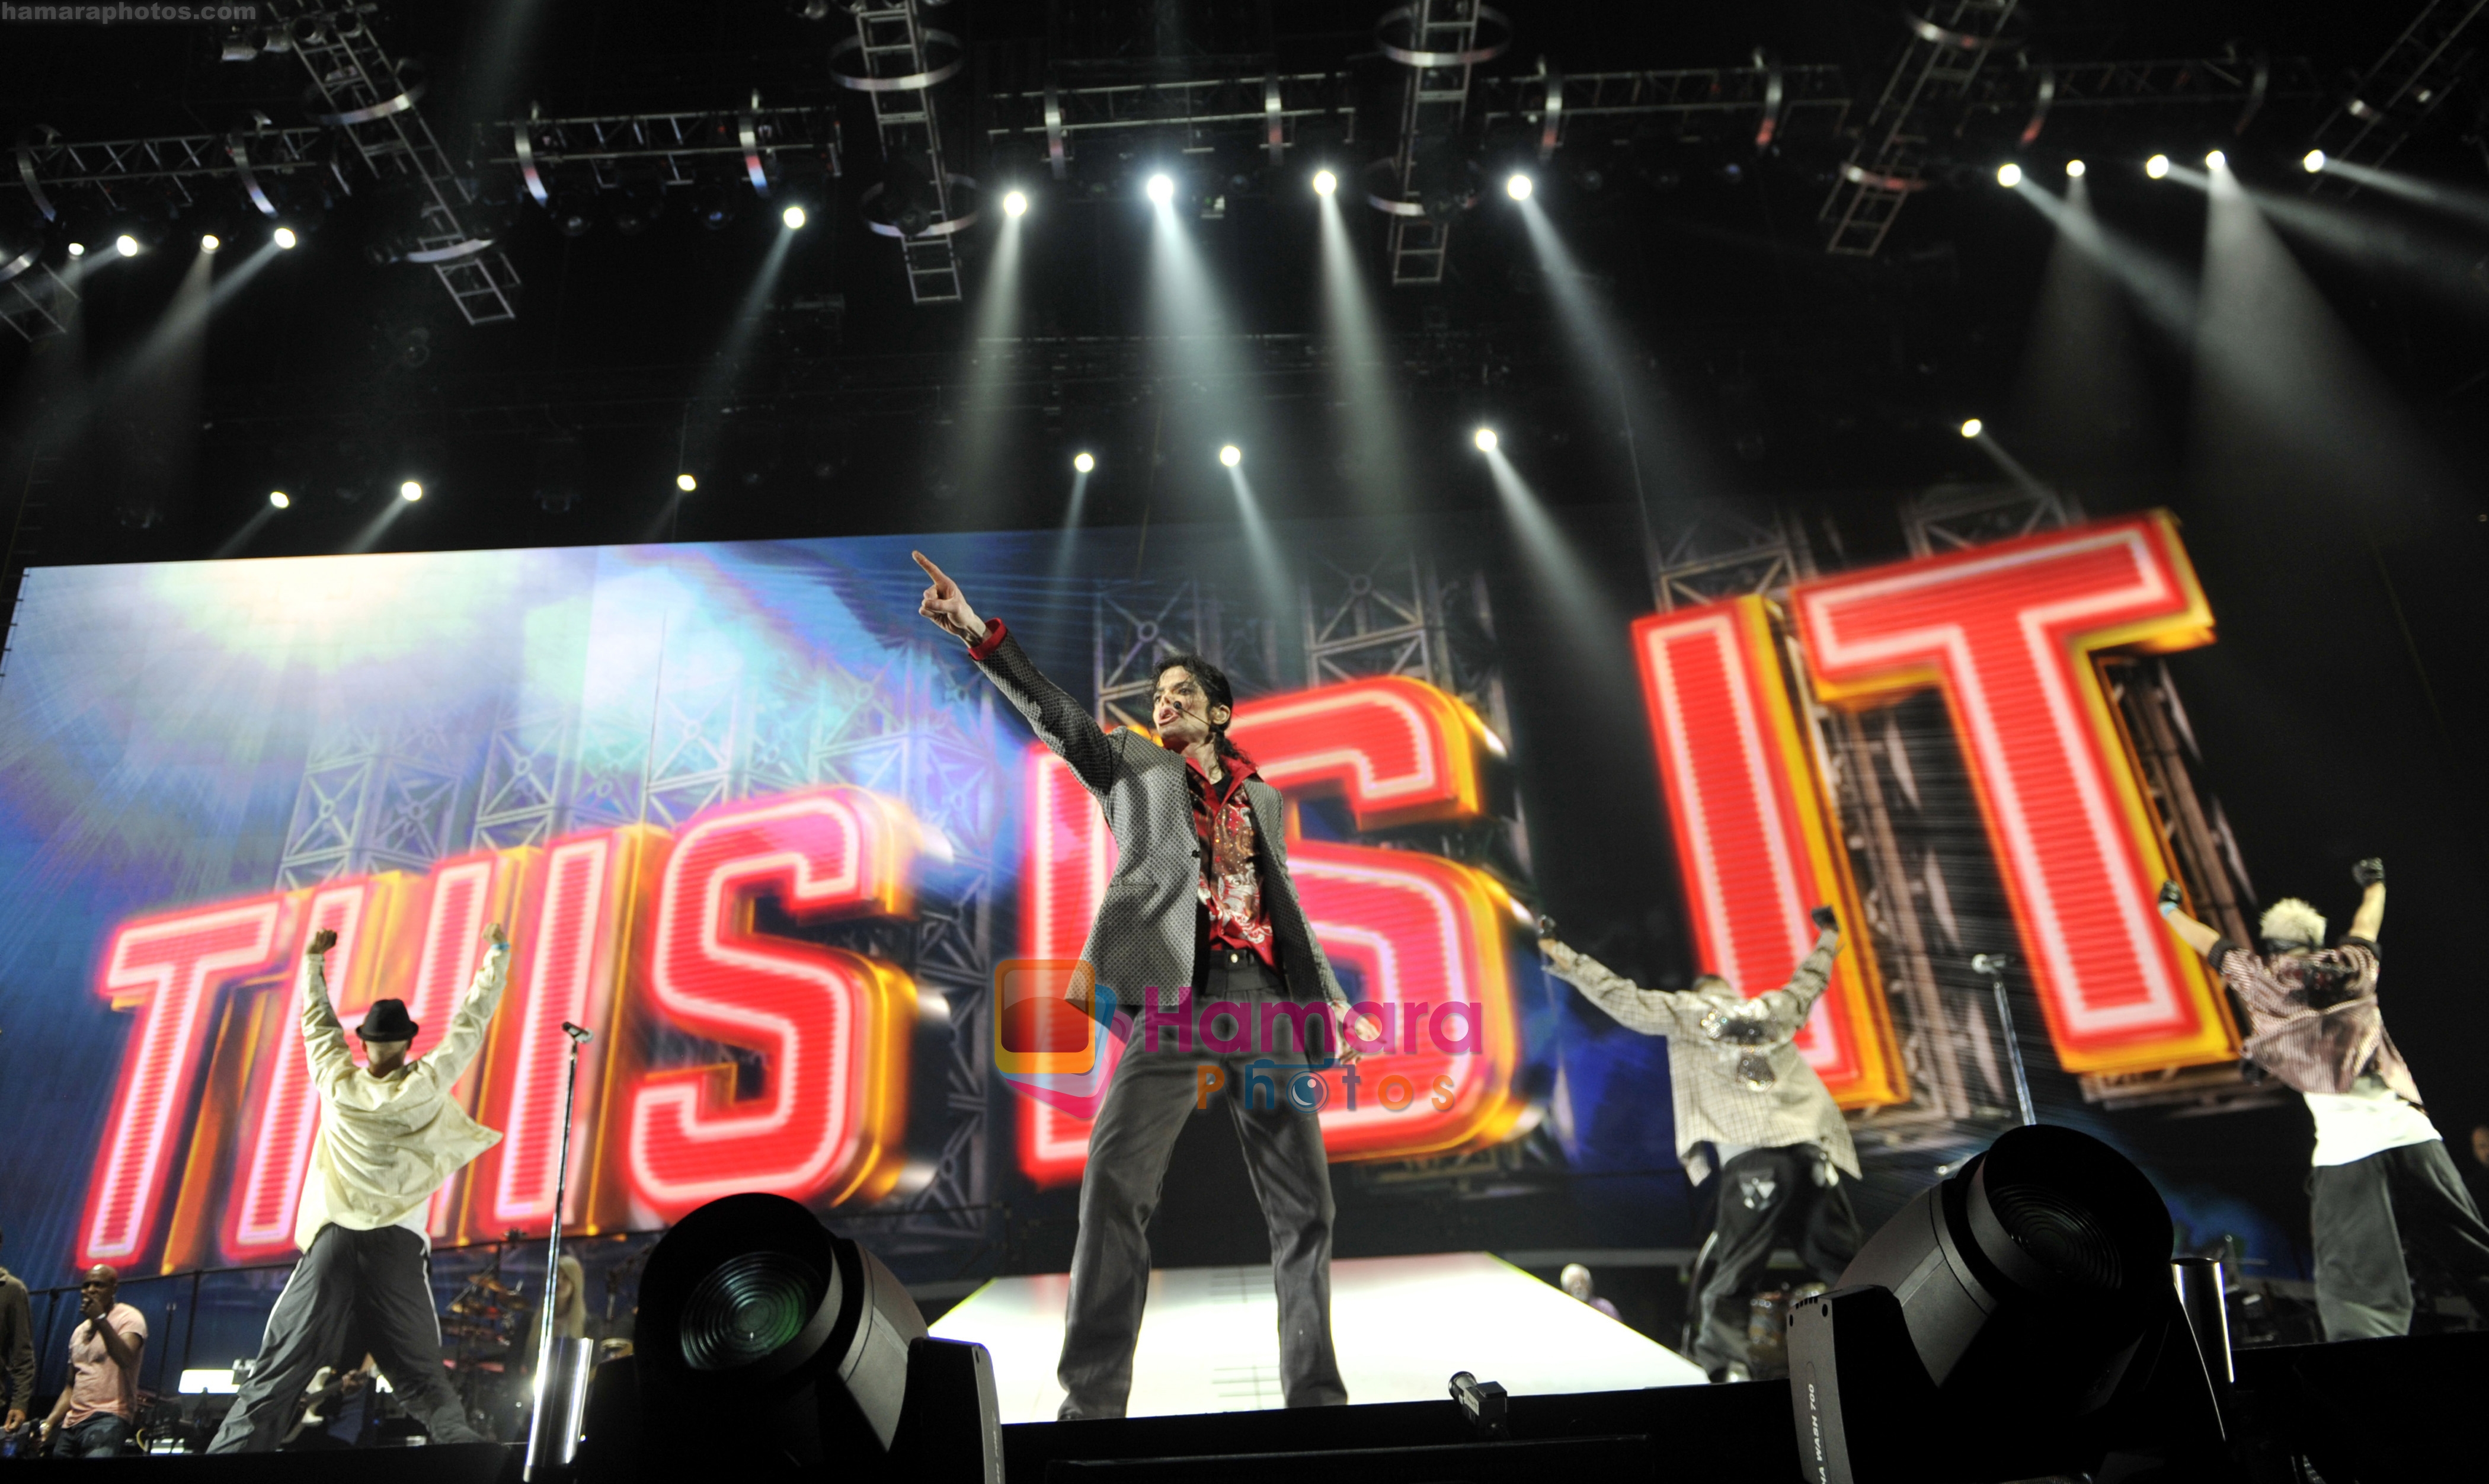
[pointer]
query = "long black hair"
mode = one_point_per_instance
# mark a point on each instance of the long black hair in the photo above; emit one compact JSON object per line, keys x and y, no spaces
{"x":1215,"y":690}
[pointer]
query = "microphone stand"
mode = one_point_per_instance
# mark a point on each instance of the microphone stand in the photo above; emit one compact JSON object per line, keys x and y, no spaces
{"x":1993,"y":967}
{"x":553,"y":1432}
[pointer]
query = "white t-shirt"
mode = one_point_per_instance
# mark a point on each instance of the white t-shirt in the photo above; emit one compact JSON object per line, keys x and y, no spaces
{"x":2369,"y":1119}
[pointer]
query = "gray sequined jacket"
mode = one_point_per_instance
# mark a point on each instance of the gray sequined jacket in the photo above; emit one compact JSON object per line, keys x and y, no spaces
{"x":1150,"y":924}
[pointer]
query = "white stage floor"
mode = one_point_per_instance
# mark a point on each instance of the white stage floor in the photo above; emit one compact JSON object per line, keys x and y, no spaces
{"x":1401,"y":1325}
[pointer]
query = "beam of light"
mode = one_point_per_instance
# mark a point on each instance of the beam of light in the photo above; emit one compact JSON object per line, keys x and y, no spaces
{"x":2079,"y":409}
{"x":1485,"y":440}
{"x":1555,"y":569}
{"x":1270,"y":572}
{"x":1231,"y":455}
{"x":2006,"y":462}
{"x":718,"y":383}
{"x":376,"y":528}
{"x":1084,"y":462}
{"x":993,"y":354}
{"x":2438,"y":263}
{"x":1369,"y":404}
{"x":239,"y":541}
{"x":2008,"y":175}
{"x":1068,"y":541}
{"x":1161,"y":189}
{"x":2469,"y":206}
{"x":2160,"y":289}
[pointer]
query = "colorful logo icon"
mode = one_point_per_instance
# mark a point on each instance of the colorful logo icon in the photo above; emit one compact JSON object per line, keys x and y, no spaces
{"x":1057,"y":1033}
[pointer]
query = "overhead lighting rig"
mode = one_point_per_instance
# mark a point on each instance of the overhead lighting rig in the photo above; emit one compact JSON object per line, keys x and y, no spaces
{"x":1440,"y":41}
{"x":641,"y":158}
{"x":896,"y":61}
{"x":2401,"y":92}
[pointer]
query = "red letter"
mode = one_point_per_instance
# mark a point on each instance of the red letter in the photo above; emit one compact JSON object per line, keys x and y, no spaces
{"x":467,"y":894}
{"x":834,"y":1026}
{"x":170,"y":969}
{"x":1754,"y":846}
{"x":2007,"y":632}
{"x":284,"y":1112}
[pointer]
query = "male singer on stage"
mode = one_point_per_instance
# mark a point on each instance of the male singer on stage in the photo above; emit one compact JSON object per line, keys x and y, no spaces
{"x":390,"y":1133}
{"x":1780,"y":1141}
{"x":1201,"y":905}
{"x":2382,"y":1181}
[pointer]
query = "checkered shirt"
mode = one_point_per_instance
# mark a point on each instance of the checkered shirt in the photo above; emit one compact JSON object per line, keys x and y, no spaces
{"x":2312,"y":1018}
{"x":1712,"y":1102}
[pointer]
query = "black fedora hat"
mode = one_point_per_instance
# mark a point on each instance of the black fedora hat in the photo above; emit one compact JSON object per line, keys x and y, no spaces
{"x":386,"y":1021}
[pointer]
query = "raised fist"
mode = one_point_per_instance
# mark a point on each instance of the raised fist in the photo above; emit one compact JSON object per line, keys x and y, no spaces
{"x":321,"y":942}
{"x":495,"y":937}
{"x":1825,"y":920}
{"x":1546,"y":926}
{"x":2170,"y":897}
{"x":2369,"y":873}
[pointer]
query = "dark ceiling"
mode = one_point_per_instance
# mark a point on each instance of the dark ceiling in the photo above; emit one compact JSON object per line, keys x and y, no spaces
{"x":1784,"y":372}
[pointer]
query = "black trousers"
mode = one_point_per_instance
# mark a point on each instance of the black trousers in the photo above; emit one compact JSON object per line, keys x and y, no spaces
{"x":1767,"y":1198}
{"x":2367,"y":1214}
{"x":1152,"y":1095}
{"x":377,"y":1284}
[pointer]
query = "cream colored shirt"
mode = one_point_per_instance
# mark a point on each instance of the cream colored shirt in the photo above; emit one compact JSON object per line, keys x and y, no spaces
{"x":385,"y":1144}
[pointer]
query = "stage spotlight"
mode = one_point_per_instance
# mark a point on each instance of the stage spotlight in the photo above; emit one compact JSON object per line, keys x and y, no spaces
{"x":78,"y":249}
{"x":748,"y":1307}
{"x":411,"y":491}
{"x":1324,"y":182}
{"x":279,"y":499}
{"x":125,"y":245}
{"x":1231,"y":455}
{"x":1083,"y":462}
{"x":793,"y":218}
{"x":1162,"y":189}
{"x":284,"y":237}
{"x":209,"y":242}
{"x":686,"y":483}
{"x":1485,"y":440}
{"x":2009,"y":174}
{"x":1518,"y":188}
{"x":2074,"y":169}
{"x":2018,"y":1319}
{"x":2215,"y":160}
{"x":1015,"y":203}
{"x":1970,"y":427}
{"x":2157,"y":166}
{"x":2312,"y":161}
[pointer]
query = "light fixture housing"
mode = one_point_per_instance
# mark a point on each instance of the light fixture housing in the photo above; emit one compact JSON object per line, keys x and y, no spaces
{"x":2074,"y":169}
{"x":285,"y":238}
{"x":1971,"y":427}
{"x":686,"y":483}
{"x":78,"y":249}
{"x":2009,"y":174}
{"x":2214,"y":159}
{"x":1084,"y":462}
{"x":1015,"y":203}
{"x":279,"y":499}
{"x":2157,"y":166}
{"x":1518,"y":187}
{"x":125,"y":245}
{"x":1324,"y":182}
{"x":1485,"y":440}
{"x":209,"y":242}
{"x":1231,"y":455}
{"x":411,"y":491}
{"x":2312,"y":161}
{"x":794,"y":219}
{"x":1162,"y":189}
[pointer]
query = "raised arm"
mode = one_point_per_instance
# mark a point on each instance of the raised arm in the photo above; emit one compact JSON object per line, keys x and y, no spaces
{"x":2370,"y":873}
{"x":2196,"y":935}
{"x":1651,"y":1012}
{"x":1060,"y":722}
{"x":324,"y":1039}
{"x":1792,"y":1002}
{"x":467,"y":1024}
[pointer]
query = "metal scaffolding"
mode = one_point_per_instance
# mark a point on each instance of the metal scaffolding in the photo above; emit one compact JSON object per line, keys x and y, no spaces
{"x":2405,"y":88}
{"x":1199,"y":110}
{"x":372,"y":99}
{"x":919,"y":196}
{"x":664,"y":150}
{"x":1780,"y":100}
{"x":1439,"y":42}
{"x":1943,"y":57}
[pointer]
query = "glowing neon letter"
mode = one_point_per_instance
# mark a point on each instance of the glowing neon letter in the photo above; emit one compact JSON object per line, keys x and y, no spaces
{"x":2007,"y":632}
{"x":834,"y":1026}
{"x":1754,"y":844}
{"x":283,"y":1113}
{"x":170,"y":969}
{"x":467,"y":894}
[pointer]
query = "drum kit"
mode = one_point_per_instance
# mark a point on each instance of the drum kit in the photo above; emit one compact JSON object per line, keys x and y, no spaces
{"x":490,"y":1323}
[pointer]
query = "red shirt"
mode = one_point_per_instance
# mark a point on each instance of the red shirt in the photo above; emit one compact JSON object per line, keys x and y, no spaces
{"x":1230,"y":885}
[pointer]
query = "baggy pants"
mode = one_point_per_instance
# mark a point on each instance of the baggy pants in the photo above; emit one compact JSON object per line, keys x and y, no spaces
{"x":375,"y":1284}
{"x":2366,"y":1212}
{"x":1153,"y":1093}
{"x":1767,"y":1198}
